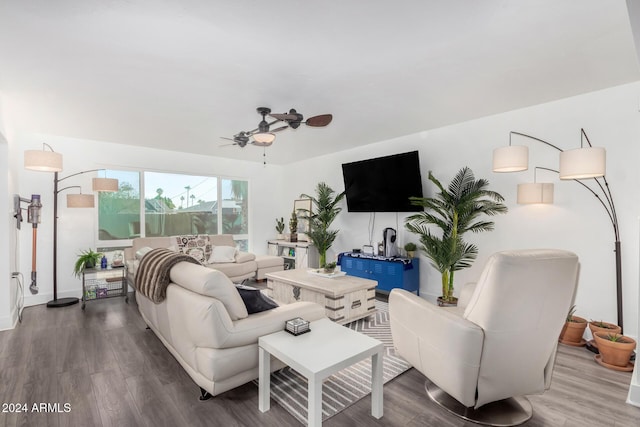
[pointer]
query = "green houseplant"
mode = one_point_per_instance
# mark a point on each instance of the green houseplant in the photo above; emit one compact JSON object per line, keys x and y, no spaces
{"x":325,"y":210}
{"x":293,"y":227}
{"x":280,"y":227}
{"x":86,"y":259}
{"x":411,"y":249}
{"x":454,"y":211}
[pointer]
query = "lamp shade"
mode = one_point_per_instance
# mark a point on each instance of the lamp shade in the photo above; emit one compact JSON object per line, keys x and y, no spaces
{"x":44,"y":161}
{"x":263,"y":139}
{"x":512,"y":158}
{"x":105,"y":184}
{"x":582,"y":163}
{"x":80,"y":201}
{"x":537,"y":192}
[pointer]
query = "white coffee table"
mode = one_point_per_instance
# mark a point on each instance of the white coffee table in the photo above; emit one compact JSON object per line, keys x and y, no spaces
{"x":325,"y":350}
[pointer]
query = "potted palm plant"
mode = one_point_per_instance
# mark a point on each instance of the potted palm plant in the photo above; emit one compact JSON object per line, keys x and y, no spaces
{"x":86,"y":259}
{"x":453,"y":211}
{"x":325,"y":210}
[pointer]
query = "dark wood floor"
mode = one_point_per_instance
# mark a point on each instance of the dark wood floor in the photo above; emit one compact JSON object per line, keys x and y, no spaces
{"x":114,"y":372}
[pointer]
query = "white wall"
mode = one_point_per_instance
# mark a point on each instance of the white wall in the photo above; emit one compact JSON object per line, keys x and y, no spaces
{"x":77,"y":228}
{"x":576,"y":221}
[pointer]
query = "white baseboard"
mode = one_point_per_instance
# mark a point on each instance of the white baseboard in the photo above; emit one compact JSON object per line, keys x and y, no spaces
{"x":43,"y":298}
{"x":8,"y":322}
{"x":634,"y":389}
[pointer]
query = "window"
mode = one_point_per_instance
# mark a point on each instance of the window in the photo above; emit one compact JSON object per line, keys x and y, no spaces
{"x":117,"y":211}
{"x":174,"y":204}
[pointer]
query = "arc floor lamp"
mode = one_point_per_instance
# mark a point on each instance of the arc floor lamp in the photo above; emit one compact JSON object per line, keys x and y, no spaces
{"x":50,"y":161}
{"x":577,"y":164}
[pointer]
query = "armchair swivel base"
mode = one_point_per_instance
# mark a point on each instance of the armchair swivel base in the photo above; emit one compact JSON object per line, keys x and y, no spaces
{"x":507,"y":412}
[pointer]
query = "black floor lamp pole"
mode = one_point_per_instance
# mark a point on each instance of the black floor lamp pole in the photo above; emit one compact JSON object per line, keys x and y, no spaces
{"x":57,"y":302}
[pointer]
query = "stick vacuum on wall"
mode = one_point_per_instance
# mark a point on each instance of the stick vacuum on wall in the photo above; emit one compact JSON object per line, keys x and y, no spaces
{"x":33,"y":217}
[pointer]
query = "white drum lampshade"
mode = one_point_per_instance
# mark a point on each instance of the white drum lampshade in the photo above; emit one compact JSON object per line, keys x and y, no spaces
{"x":43,"y":161}
{"x":537,"y":192}
{"x":80,"y":201}
{"x":105,"y":184}
{"x":512,"y":158}
{"x":582,"y":163}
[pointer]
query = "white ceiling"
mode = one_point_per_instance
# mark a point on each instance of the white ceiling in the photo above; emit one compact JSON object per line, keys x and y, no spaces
{"x":179,"y":74}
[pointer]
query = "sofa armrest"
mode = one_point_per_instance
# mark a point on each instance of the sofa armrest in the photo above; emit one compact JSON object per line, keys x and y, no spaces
{"x":438,"y":342}
{"x":248,"y":330}
{"x":245,"y":257}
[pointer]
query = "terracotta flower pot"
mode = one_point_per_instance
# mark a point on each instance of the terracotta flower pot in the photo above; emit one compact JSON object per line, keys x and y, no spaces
{"x":572,"y":332}
{"x":615,"y":353}
{"x":611,"y":329}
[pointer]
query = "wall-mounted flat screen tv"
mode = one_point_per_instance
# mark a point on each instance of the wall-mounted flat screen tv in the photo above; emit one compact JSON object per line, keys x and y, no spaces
{"x":383,"y":184}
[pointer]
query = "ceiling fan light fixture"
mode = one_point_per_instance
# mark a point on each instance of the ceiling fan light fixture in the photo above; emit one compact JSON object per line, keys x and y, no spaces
{"x":263,"y":139}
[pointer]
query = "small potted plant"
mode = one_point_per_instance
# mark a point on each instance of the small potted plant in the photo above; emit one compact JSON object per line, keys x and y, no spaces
{"x":86,"y":259}
{"x":600,"y":326}
{"x":280,"y":228}
{"x":573,"y":329}
{"x":615,"y":350}
{"x":293,"y":227}
{"x":411,"y":249}
{"x":330,"y":267}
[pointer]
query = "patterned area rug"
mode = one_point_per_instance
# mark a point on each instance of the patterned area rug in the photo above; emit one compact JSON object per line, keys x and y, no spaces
{"x":339,"y":391}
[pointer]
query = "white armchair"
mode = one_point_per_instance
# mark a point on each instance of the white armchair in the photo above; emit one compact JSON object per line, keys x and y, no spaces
{"x":499,"y":343}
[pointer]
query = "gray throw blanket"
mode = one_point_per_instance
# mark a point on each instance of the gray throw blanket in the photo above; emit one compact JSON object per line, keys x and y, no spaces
{"x":152,"y":277}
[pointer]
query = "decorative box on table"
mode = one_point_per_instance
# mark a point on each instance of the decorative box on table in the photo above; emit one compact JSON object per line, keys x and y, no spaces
{"x":297,"y":326}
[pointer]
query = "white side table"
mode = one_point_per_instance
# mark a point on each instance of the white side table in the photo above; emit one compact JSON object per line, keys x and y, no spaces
{"x":325,"y":350}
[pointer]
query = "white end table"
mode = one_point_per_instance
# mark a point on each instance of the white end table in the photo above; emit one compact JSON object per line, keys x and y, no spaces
{"x":316,"y":355}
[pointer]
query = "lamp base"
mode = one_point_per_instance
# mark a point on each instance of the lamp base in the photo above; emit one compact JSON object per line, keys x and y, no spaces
{"x":503,"y":413}
{"x":62,"y":302}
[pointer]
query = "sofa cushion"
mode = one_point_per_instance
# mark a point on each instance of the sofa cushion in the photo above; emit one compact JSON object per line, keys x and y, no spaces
{"x":254,"y":300}
{"x":244,"y":257}
{"x":234,"y":269}
{"x":223,"y":254}
{"x":222,"y":240}
{"x":197,"y":246}
{"x":212,"y":283}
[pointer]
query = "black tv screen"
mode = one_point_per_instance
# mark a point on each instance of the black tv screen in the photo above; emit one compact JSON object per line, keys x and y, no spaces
{"x":383,"y":184}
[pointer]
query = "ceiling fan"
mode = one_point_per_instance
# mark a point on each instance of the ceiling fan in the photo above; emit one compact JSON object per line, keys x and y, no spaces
{"x":263,"y":135}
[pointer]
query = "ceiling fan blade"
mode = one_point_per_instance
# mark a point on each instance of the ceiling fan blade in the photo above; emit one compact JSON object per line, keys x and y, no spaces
{"x":284,"y":117}
{"x":228,"y":139}
{"x":319,"y":121}
{"x":279,"y":129}
{"x":226,"y":145}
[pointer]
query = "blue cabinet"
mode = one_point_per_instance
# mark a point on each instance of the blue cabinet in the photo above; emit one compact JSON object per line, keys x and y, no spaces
{"x":389,"y":274}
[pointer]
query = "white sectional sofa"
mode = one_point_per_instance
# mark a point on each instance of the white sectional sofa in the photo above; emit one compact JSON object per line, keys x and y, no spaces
{"x":204,"y":323}
{"x":244,"y":265}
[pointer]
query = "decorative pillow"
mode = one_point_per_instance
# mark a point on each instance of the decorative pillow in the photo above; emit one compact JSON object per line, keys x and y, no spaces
{"x":254,"y":300}
{"x":142,"y":252}
{"x":199,"y":246}
{"x":221,"y":254}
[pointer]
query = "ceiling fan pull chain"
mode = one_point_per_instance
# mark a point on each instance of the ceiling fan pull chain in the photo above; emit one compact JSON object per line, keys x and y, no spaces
{"x":264,"y":156}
